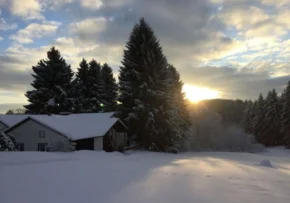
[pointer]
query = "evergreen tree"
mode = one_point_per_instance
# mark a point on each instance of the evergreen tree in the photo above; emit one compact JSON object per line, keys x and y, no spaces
{"x":248,"y":117}
{"x":178,"y":107}
{"x":96,"y":84}
{"x":52,"y":83}
{"x":110,"y":89}
{"x":81,"y":89}
{"x":143,"y":89}
{"x":285,"y":116}
{"x":258,"y":120}
{"x":271,"y":129}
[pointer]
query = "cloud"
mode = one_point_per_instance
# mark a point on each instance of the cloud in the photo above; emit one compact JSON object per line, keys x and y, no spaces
{"x":54,"y":4}
{"x":5,"y":107}
{"x":34,"y":31}
{"x":244,"y":83}
{"x":276,"y":3}
{"x":11,"y":79}
{"x":5,"y":26}
{"x":1,"y":38}
{"x":91,"y":4}
{"x":88,"y":29}
{"x":29,"y":10}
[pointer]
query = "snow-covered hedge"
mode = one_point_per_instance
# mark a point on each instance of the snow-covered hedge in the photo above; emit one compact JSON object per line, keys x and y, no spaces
{"x":63,"y":145}
{"x":7,"y":143}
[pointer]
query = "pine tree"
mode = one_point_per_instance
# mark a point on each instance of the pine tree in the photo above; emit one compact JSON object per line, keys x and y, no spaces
{"x":285,"y":116}
{"x":96,"y":84}
{"x":110,"y":89}
{"x":258,"y":120}
{"x":143,"y":86}
{"x":178,"y":107}
{"x":271,"y":130}
{"x":81,"y":89}
{"x":52,"y":83}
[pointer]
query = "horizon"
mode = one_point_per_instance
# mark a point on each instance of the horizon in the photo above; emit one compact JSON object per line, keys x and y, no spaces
{"x":219,"y":49}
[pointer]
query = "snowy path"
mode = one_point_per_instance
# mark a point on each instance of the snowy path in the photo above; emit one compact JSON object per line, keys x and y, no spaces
{"x":90,"y":177}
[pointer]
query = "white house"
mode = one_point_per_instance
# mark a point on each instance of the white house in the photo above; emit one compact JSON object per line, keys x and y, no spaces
{"x":7,"y":121}
{"x":95,"y":131}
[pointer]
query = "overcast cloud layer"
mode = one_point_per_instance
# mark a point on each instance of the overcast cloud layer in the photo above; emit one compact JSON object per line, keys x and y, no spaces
{"x":239,"y":47}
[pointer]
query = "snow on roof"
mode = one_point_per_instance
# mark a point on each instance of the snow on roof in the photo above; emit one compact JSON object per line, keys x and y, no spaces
{"x":79,"y":126}
{"x":11,"y":120}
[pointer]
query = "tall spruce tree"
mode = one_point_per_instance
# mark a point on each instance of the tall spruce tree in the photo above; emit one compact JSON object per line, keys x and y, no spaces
{"x":143,"y":89}
{"x":271,"y":129}
{"x":81,"y":89}
{"x":52,"y":83}
{"x":110,"y":89}
{"x":285,"y":116}
{"x":96,"y":84}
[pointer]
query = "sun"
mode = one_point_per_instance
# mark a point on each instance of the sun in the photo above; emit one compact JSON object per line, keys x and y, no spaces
{"x":196,"y":94}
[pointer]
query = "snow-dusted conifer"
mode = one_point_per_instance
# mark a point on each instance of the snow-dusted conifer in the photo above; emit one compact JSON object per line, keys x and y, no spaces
{"x":110,"y":89}
{"x":96,"y":85}
{"x":248,"y":117}
{"x":259,"y":116}
{"x":271,"y":126}
{"x":52,"y":79}
{"x":143,"y":88}
{"x":285,"y":116}
{"x":178,"y":112}
{"x":81,"y":89}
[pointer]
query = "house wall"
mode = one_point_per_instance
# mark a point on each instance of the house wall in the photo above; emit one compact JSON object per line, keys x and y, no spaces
{"x":28,"y":133}
{"x":118,"y":138}
{"x":98,"y":143}
{"x":2,"y":127}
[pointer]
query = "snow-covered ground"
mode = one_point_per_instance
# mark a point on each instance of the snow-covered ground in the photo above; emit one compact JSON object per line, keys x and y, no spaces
{"x":142,"y":177}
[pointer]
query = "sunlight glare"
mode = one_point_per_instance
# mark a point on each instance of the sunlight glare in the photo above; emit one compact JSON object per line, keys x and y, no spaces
{"x":196,"y":94}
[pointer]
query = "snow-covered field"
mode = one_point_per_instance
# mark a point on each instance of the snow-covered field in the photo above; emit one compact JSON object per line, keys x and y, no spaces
{"x":142,"y":177}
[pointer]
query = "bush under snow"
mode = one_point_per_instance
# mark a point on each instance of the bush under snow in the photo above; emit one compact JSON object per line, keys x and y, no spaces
{"x":63,"y":145}
{"x":7,"y":143}
{"x":266,"y":163}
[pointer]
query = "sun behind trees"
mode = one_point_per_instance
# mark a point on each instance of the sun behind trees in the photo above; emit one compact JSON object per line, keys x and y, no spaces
{"x":150,"y":93}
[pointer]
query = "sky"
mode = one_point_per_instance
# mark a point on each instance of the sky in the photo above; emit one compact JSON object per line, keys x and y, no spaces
{"x":239,"y":48}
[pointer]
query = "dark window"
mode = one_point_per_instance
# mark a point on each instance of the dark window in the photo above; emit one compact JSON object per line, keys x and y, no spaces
{"x":20,"y":146}
{"x":42,"y":147}
{"x":41,"y":134}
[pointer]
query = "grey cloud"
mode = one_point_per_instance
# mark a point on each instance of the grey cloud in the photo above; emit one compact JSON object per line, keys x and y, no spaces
{"x":5,"y":107}
{"x":12,"y":79}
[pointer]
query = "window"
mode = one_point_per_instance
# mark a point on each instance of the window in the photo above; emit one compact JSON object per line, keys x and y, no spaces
{"x":42,"y":147}
{"x":20,"y":146}
{"x":41,"y":134}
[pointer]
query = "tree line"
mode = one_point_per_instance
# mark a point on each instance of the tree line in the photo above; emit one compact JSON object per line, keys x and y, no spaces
{"x":148,"y":96}
{"x":268,"y":119}
{"x":55,"y":90}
